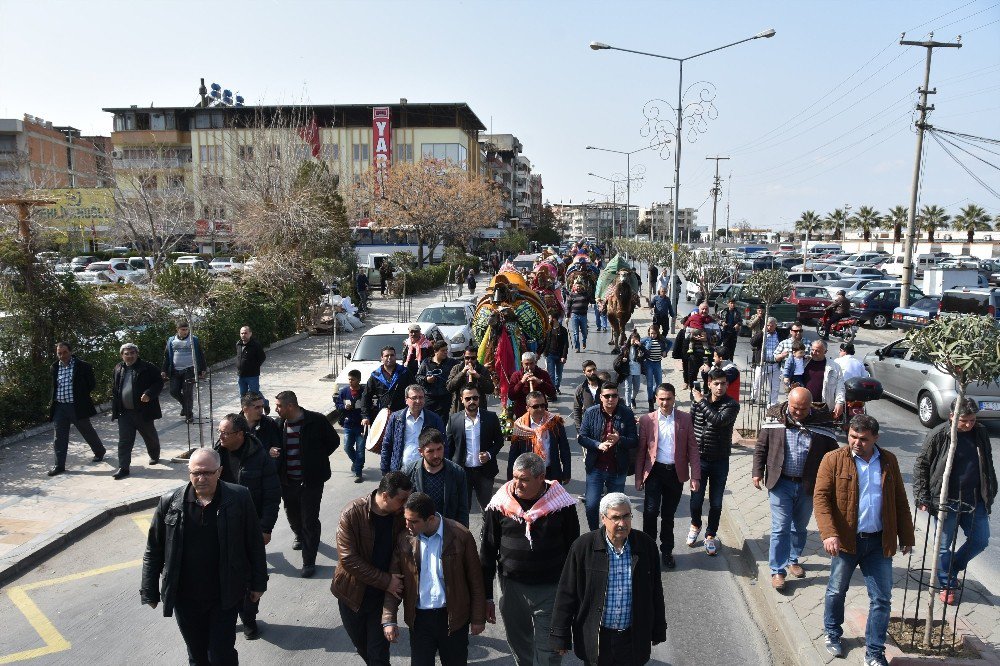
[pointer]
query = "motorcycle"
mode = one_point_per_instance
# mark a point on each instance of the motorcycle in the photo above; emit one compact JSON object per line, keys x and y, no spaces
{"x":846,"y":329}
{"x":859,"y":391}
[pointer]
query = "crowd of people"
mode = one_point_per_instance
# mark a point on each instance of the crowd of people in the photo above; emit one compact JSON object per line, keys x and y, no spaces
{"x":597,"y":592}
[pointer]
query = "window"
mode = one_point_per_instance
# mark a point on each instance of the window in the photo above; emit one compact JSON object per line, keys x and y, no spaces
{"x":213,"y":212}
{"x":203,"y":121}
{"x":359,"y":152}
{"x":211,"y":182}
{"x":8,"y":143}
{"x":452,"y":152}
{"x":330,"y":152}
{"x":175,"y":182}
{"x":246,"y":152}
{"x":210,"y":154}
{"x":403,"y":152}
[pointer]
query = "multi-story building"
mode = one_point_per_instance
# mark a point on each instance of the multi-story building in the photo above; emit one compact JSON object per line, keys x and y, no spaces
{"x":661,"y":217}
{"x":197,"y":148}
{"x":597,"y":220}
{"x":35,"y":154}
{"x":505,"y":164}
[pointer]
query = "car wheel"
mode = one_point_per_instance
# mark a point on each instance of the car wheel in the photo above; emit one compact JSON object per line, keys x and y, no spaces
{"x":880,"y":320}
{"x":927,"y":411}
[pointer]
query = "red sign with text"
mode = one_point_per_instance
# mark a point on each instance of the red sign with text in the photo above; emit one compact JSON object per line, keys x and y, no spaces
{"x":382,"y":137}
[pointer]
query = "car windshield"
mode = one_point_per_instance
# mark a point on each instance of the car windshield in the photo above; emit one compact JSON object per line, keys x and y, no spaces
{"x":444,"y":316}
{"x":370,"y":346}
{"x":929,"y":303}
{"x":811,"y":292}
{"x":844,"y":283}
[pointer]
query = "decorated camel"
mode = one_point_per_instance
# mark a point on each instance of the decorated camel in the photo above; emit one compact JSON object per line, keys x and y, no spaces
{"x":618,"y":291}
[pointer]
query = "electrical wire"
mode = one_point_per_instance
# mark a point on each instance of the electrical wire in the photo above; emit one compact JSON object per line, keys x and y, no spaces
{"x":971,"y":137}
{"x":965,"y":168}
{"x":976,"y":157}
{"x":951,"y":11}
{"x":948,"y":25}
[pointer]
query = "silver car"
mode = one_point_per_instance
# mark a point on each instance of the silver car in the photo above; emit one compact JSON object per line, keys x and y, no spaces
{"x":911,"y":379}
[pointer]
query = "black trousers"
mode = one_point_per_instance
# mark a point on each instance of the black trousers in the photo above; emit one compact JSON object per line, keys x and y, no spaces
{"x":248,"y":611}
{"x":479,"y":482}
{"x":429,"y":638}
{"x":130,"y":423}
{"x":365,"y":630}
{"x":182,"y":389}
{"x":209,"y":633}
{"x":614,"y":648}
{"x":302,"y":502}
{"x":64,"y":417}
{"x":663,"y":494}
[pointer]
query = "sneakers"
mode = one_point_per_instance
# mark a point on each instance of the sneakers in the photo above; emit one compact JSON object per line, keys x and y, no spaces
{"x":876,"y":660}
{"x":692,"y":537}
{"x":711,"y":548}
{"x":834,"y":647}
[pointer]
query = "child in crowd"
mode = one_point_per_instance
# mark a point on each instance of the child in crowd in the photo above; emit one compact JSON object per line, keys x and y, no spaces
{"x":795,"y":366}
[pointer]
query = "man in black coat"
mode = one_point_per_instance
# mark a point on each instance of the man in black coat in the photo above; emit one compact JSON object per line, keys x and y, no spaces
{"x":250,"y":355}
{"x":72,"y":382}
{"x":206,"y":542}
{"x":135,"y":404}
{"x":307,"y":442}
{"x":386,"y":387}
{"x":246,"y":462}
{"x":609,"y":603}
{"x":263,"y":428}
{"x":474,"y":441}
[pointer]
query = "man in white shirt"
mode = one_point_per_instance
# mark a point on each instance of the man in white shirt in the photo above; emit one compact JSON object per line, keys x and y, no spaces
{"x":849,"y":363}
{"x":667,"y":457}
{"x":401,"y":444}
{"x":474,"y":440}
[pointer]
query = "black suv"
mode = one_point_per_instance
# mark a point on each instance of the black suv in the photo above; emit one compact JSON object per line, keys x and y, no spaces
{"x":875,"y":306}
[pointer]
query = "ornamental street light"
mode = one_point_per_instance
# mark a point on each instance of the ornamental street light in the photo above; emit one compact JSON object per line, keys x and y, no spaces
{"x":614,"y":206}
{"x":615,"y":185}
{"x":599,"y":46}
{"x":628,"y":170}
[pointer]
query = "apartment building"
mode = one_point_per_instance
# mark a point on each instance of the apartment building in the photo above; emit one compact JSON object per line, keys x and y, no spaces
{"x":35,"y":153}
{"x":660,"y":216}
{"x":597,"y":220}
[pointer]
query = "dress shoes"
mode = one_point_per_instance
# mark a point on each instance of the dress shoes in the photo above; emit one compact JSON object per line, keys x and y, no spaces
{"x":120,"y":474}
{"x":778,"y":582}
{"x":308,"y":570}
{"x":796,"y":570}
{"x":56,"y":471}
{"x":668,"y":561}
{"x":99,"y":456}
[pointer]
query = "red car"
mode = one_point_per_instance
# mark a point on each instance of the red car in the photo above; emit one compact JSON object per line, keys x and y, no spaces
{"x":811,"y":301}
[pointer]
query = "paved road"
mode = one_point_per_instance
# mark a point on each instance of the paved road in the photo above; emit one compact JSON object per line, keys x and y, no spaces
{"x":84,"y":602}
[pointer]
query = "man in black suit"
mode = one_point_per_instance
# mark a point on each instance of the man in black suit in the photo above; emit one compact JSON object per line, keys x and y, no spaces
{"x":72,"y":382}
{"x":474,"y":440}
{"x":136,"y":405}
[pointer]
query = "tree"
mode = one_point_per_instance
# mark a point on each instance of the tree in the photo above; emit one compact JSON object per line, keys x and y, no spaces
{"x":835,"y":221}
{"x":866,"y":221}
{"x":971,"y":219}
{"x":931,"y":218}
{"x":967,"y":348}
{"x":513,"y":241}
{"x":770,"y":286}
{"x":433,"y":199}
{"x":546,"y":233}
{"x":897,"y":217}
{"x":808,"y":224}
{"x":708,"y":268}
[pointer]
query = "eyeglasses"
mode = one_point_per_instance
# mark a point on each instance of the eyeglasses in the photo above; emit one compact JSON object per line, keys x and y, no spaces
{"x":470,"y":358}
{"x":538,"y":406}
{"x":609,"y":396}
{"x":227,"y":433}
{"x":204,"y":475}
{"x":625,"y":518}
{"x":471,"y":398}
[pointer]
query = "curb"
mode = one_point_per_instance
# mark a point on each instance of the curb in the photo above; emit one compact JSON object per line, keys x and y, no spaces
{"x":105,"y":407}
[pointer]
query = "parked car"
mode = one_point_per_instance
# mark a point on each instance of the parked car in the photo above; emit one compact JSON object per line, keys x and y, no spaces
{"x":454,"y":320}
{"x":861,"y":272}
{"x":848,"y":285}
{"x":92,"y":278}
{"x":970,"y":300}
{"x":914,"y":381}
{"x":225,"y":264}
{"x":367,"y":355}
{"x":802,"y":278}
{"x":117,"y":271}
{"x":864,"y":259}
{"x":917,"y":314}
{"x":193,"y":262}
{"x":875,"y":306}
{"x":810,"y":300}
{"x":83,"y":260}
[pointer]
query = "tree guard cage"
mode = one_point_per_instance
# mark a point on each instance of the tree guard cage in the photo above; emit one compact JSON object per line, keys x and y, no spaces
{"x":404,"y":309}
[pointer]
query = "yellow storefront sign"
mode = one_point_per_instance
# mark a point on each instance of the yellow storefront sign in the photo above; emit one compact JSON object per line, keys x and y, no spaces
{"x":89,"y":207}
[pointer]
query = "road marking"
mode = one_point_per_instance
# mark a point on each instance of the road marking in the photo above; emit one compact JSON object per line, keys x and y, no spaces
{"x":53,"y":640}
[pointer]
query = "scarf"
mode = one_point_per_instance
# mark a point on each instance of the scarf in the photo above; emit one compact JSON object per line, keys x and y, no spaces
{"x":523,"y":430}
{"x":416,"y":349}
{"x":553,"y":499}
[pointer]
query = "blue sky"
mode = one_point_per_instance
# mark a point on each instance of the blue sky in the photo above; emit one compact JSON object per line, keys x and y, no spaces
{"x":818,"y":116}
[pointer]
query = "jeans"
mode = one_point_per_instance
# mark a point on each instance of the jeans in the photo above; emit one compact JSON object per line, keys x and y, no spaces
{"x":64,"y":417}
{"x":600,"y":319}
{"x":579,"y":330}
{"x":877,"y":570}
{"x":791,"y":508}
{"x":714,"y":474}
{"x":247,"y":384}
{"x":663,"y":494}
{"x":208,"y":632}
{"x":354,"y":445}
{"x":632,"y":385}
{"x":654,"y":377}
{"x":597,"y":481}
{"x":302,"y":500}
{"x":976,"y":528}
{"x":554,"y":368}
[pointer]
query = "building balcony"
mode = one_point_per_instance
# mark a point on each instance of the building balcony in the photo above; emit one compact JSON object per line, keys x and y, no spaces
{"x":150,"y":137}
{"x":148,"y":163}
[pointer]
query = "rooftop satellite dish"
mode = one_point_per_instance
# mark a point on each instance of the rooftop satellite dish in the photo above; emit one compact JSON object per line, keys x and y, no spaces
{"x":239,"y":100}
{"x":216,"y":86}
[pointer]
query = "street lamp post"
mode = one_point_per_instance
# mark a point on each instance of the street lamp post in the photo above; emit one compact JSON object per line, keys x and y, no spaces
{"x":628,"y":175}
{"x":599,"y":46}
{"x":614,"y":205}
{"x":614,"y":191}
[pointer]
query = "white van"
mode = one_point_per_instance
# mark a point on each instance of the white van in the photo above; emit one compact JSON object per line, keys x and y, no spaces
{"x":824,"y":248}
{"x":894,"y":266}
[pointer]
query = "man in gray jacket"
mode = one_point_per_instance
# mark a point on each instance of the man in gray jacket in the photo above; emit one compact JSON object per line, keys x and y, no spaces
{"x":440,"y":478}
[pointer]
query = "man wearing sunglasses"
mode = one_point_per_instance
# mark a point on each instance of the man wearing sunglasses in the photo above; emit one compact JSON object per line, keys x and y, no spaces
{"x":474,"y":441}
{"x":543,"y":433}
{"x":469,"y":373}
{"x":609,"y":437}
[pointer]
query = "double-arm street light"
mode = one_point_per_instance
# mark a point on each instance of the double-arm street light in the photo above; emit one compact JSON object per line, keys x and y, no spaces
{"x":615,"y":184}
{"x":598,"y":46}
{"x":628,"y":171}
{"x":614,"y":206}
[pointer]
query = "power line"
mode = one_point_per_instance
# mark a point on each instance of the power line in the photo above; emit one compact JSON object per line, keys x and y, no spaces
{"x":963,"y":165}
{"x":952,"y":143}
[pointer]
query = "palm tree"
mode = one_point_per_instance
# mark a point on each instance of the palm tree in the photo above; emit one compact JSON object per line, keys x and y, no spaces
{"x":971,"y":219}
{"x":835,"y":222}
{"x":809,"y":223}
{"x":931,"y":218}
{"x":897,"y":217}
{"x":866,"y":221}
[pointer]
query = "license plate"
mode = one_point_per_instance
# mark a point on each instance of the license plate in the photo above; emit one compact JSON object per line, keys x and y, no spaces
{"x":910,"y":318}
{"x":992,"y":406}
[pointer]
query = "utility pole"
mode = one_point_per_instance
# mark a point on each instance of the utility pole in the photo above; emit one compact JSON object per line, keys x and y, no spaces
{"x":671,"y":204}
{"x":921,"y":124}
{"x":715,"y":191}
{"x":729,"y":193}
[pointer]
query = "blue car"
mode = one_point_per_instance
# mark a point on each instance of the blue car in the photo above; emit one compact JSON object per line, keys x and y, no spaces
{"x":875,"y":306}
{"x":917,"y":315}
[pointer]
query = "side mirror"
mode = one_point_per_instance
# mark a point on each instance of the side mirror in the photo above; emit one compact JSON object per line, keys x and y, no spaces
{"x":878,"y":352}
{"x":347,"y":355}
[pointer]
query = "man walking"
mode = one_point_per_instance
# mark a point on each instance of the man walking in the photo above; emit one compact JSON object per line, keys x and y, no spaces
{"x":72,"y":382}
{"x":793,"y":440}
{"x":529,"y":378}
{"x":577,"y":306}
{"x":361,"y":285}
{"x":825,"y":380}
{"x":607,"y":433}
{"x":261,"y":427}
{"x":474,"y":440}
{"x":432,"y":375}
{"x":662,"y":309}
{"x":206,"y":542}
{"x":135,"y":404}
{"x":416,"y":347}
{"x":469,"y":373}
{"x":250,"y":356}
{"x":401,"y":443}
{"x":609,"y":603}
{"x":713,"y":417}
{"x":732,"y":321}
{"x":443,"y":480}
{"x":972,"y":488}
{"x":544,"y":434}
{"x":767,"y":375}
{"x":385,"y":388}
{"x":443,"y":596}
{"x":307,"y":442}
{"x":180,"y":358}
{"x":556,"y":350}
{"x":668,"y":456}
{"x":528,"y":529}
{"x":586,"y":394}
{"x":348,"y":402}
{"x":860,"y":522}
{"x":246,"y":462}
{"x":850,"y":366}
{"x":366,"y":538}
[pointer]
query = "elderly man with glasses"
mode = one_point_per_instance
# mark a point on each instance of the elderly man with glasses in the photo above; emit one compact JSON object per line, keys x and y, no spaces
{"x":474,"y":441}
{"x":543,"y":433}
{"x":529,"y":378}
{"x":608,"y":435}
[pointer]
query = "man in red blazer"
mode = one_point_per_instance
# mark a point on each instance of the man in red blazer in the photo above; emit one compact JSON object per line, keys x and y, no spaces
{"x":668,"y":456}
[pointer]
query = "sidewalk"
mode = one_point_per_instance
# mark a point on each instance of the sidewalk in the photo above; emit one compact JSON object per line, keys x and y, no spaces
{"x":41,"y":515}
